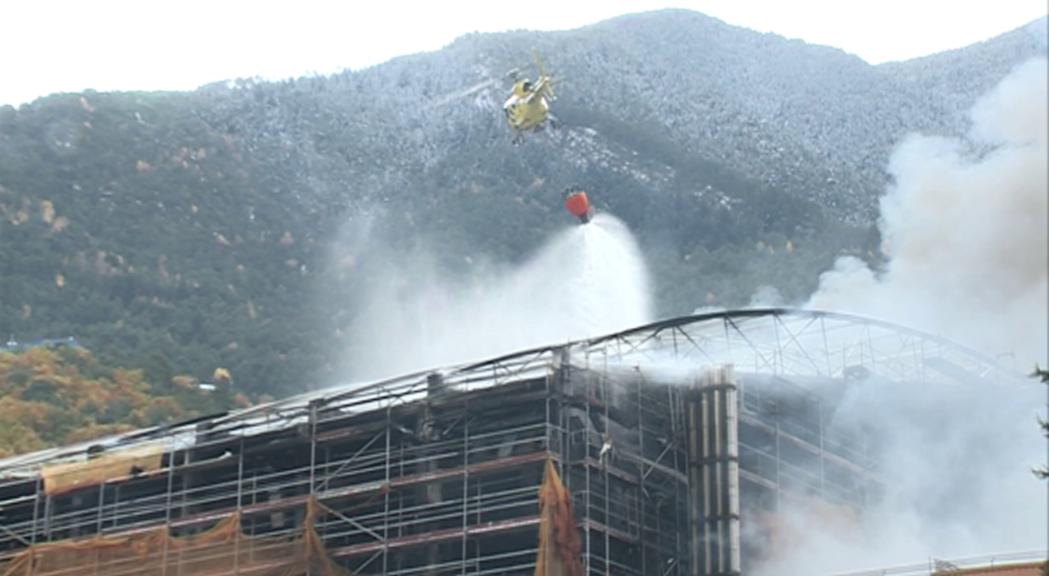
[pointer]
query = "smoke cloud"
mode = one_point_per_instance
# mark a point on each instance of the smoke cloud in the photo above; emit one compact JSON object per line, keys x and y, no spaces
{"x":955,"y":466}
{"x":964,"y":231}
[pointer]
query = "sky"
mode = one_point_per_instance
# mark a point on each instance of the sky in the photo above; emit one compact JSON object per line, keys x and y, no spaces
{"x":51,"y":46}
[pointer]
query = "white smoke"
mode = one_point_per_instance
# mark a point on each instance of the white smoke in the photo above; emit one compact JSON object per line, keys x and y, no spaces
{"x":587,"y":281}
{"x":964,"y":231}
{"x":955,"y":463}
{"x":766,"y":297}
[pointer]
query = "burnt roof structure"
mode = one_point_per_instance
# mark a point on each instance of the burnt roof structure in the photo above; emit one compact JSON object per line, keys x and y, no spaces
{"x":665,"y":437}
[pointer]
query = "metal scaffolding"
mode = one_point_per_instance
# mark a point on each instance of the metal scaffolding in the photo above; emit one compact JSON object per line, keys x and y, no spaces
{"x":439,"y":472}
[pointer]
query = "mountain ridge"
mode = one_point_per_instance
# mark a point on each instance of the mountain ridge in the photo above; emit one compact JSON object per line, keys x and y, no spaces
{"x":240,"y":224}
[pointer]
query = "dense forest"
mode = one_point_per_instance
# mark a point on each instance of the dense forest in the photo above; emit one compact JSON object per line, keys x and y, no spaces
{"x":51,"y":397}
{"x":238,"y":225}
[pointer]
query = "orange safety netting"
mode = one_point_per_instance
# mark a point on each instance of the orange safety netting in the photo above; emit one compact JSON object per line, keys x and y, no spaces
{"x":224,"y":549}
{"x":559,"y":544}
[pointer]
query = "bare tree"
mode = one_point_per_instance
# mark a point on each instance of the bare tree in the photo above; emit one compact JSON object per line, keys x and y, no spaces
{"x":1042,"y":472}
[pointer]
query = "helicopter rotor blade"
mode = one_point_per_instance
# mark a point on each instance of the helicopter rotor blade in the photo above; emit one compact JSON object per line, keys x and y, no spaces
{"x":452,"y":97}
{"x":538,"y":62}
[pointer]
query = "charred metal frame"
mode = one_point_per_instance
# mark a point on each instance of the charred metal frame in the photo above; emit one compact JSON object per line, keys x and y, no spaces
{"x":438,"y":472}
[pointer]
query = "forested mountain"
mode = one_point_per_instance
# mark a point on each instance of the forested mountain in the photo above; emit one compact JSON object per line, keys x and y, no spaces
{"x":52,"y":397}
{"x":237,"y":224}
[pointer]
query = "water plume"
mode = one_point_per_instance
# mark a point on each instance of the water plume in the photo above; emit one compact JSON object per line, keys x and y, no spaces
{"x":586,"y":281}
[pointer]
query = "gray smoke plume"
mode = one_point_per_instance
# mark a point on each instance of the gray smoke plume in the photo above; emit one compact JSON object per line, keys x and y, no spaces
{"x":955,"y":464}
{"x":964,"y":231}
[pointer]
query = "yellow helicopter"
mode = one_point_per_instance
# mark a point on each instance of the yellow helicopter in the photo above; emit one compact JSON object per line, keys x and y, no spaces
{"x":528,"y":106}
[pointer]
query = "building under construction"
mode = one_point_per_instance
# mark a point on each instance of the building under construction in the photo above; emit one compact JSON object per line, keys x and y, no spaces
{"x":666,"y":449}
